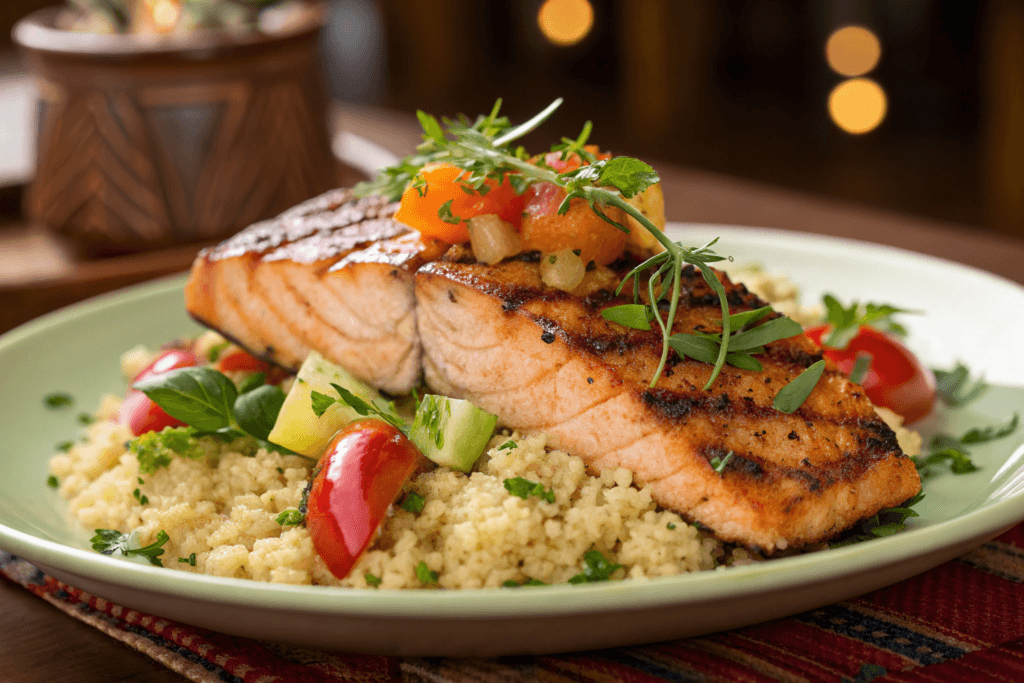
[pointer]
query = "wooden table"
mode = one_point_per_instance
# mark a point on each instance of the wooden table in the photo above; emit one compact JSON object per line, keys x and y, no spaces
{"x":38,"y":643}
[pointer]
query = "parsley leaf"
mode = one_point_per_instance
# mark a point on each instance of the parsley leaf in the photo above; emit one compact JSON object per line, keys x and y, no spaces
{"x":58,"y":400}
{"x":512,"y":583}
{"x":596,"y":568}
{"x":52,"y":482}
{"x":155,"y":449}
{"x":718,"y":463}
{"x":629,"y":176}
{"x":955,"y":386}
{"x":413,"y":503}
{"x":446,"y":215}
{"x":372,"y":580}
{"x":321,"y":402}
{"x":986,"y":434}
{"x":290,"y":518}
{"x":190,"y":560}
{"x":111,"y":541}
{"x":65,"y":446}
{"x":508,"y":445}
{"x":214,"y":352}
{"x":524,"y":488}
{"x":425,"y":574}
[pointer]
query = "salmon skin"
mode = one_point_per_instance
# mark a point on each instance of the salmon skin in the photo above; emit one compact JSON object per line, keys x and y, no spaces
{"x":334,"y":274}
{"x":544,"y":360}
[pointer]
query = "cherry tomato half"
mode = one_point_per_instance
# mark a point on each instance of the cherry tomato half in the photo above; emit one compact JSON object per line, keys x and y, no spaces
{"x":420,"y":205}
{"x":138,"y":412}
{"x":361,"y":472}
{"x":895,"y":379}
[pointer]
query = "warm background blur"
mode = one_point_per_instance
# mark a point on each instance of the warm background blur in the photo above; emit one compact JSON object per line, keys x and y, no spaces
{"x":932,"y":90}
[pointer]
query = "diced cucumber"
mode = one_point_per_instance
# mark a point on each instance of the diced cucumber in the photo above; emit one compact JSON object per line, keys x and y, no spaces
{"x":451,"y":432}
{"x":297,"y":427}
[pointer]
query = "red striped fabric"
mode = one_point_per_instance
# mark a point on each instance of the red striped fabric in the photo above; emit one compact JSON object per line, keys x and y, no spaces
{"x":961,"y":621}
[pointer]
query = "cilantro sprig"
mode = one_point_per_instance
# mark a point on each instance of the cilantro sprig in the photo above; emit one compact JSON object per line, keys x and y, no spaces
{"x":482,"y":149}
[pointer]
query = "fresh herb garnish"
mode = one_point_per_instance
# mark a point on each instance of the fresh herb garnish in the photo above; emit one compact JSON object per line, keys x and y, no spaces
{"x":956,"y":388}
{"x":425,"y":574}
{"x":53,"y":482}
{"x":190,"y":560}
{"x":671,"y":526}
{"x":290,"y":518}
{"x":718,"y":463}
{"x":65,"y":446}
{"x":508,"y":445}
{"x":887,"y":522}
{"x":634,"y":316}
{"x":954,"y":452}
{"x":793,"y":395}
{"x":58,"y":400}
{"x":209,"y":401}
{"x":85,"y":419}
{"x":524,"y":488}
{"x":155,"y":449}
{"x":846,"y":321}
{"x":512,"y":583}
{"x":214,"y":353}
{"x":413,"y":503}
{"x":384,"y":410}
{"x":986,"y":434}
{"x":110,"y":541}
{"x":596,"y":568}
{"x":860,"y":367}
{"x":141,"y":497}
{"x":372,"y":580}
{"x":252,"y":382}
{"x":481,"y":149}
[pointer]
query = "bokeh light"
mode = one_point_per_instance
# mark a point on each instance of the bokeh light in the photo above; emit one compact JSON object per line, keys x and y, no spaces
{"x":857,"y":105}
{"x":165,"y":14}
{"x":565,"y":22}
{"x":853,"y":51}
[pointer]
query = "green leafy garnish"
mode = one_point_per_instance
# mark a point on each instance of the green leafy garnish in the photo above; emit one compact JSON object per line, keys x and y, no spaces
{"x":372,"y":580}
{"x":85,"y":419}
{"x":65,"y":446}
{"x":155,"y":449}
{"x":58,"y":400}
{"x":413,"y":503}
{"x":512,"y":583}
{"x":954,"y":452}
{"x":385,"y":410}
{"x":846,"y":321}
{"x":860,"y":368}
{"x":718,"y":463}
{"x":635,"y":316}
{"x":671,"y":526}
{"x":508,"y":445}
{"x":251,"y":382}
{"x":959,"y":461}
{"x":214,"y":353}
{"x":887,"y":522}
{"x":290,"y":518}
{"x":446,"y":215}
{"x":53,"y":482}
{"x":190,"y":560}
{"x":793,"y":395}
{"x":209,"y":401}
{"x":596,"y":568}
{"x":743,"y":343}
{"x":425,"y":574}
{"x":109,"y":541}
{"x":524,"y":488}
{"x":956,"y":388}
{"x":481,"y":149}
{"x":986,"y":434}
{"x":141,"y":497}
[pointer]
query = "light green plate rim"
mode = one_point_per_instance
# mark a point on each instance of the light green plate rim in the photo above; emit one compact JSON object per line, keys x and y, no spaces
{"x":967,"y":521}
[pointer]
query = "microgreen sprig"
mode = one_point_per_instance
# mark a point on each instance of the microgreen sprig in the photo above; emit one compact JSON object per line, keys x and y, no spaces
{"x":481,"y":149}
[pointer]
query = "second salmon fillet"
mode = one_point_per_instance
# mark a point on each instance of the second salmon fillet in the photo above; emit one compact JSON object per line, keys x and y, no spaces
{"x":546,"y":361}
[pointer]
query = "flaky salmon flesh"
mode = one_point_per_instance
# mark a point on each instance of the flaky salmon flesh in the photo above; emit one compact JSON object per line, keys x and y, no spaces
{"x":344,"y":279}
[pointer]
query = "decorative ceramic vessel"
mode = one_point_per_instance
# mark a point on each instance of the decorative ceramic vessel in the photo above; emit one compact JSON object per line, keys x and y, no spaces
{"x":150,"y":140}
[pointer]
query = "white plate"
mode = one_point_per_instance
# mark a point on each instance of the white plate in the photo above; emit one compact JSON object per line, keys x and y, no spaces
{"x":77,"y":350}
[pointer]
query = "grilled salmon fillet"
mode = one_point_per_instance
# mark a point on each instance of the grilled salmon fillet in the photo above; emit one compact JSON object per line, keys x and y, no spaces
{"x":334,"y":274}
{"x":546,"y":361}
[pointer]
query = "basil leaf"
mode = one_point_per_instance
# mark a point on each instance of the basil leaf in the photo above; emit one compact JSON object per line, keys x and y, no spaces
{"x":773,"y":330}
{"x":793,"y":395}
{"x":200,"y":397}
{"x":252,"y":382}
{"x":634,"y":316}
{"x":256,"y":411}
{"x":628,"y":175}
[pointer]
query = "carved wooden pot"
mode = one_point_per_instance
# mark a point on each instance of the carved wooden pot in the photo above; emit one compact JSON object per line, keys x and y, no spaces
{"x":148,"y":141}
